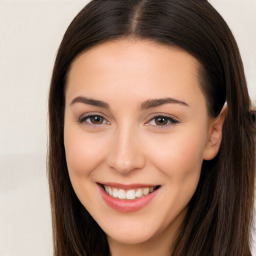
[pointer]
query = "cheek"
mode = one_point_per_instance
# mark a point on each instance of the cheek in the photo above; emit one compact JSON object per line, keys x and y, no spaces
{"x":180,"y":154}
{"x":83,"y":152}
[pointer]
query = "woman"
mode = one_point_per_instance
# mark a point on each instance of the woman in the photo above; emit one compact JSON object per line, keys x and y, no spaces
{"x":151,"y":147}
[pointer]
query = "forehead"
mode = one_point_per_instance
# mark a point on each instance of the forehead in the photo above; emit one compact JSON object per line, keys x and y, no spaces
{"x":141,"y":67}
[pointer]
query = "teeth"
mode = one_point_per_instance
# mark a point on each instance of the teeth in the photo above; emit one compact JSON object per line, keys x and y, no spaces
{"x":139,"y":193}
{"x":121,"y":194}
{"x":110,"y":191}
{"x":145,"y":191}
{"x":115,"y":192}
{"x":128,"y":194}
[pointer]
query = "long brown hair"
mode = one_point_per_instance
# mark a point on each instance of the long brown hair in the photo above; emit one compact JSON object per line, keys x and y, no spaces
{"x":219,"y":216}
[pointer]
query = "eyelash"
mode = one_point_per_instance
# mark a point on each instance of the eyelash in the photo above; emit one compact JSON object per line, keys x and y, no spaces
{"x":171,"y":121}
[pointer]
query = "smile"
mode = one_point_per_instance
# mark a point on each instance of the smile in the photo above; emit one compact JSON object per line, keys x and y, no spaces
{"x":130,"y":194}
{"x":127,"y":198}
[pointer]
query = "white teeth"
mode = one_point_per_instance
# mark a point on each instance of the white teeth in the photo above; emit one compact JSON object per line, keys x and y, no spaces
{"x":115,"y":192}
{"x":110,"y":191}
{"x":128,"y":194}
{"x":121,"y":194}
{"x":139,"y":193}
{"x":145,"y":191}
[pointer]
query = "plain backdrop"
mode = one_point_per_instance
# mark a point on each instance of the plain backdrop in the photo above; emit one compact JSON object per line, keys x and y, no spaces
{"x":30,"y":32}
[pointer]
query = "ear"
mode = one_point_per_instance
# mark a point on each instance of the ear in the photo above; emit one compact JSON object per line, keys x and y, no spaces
{"x":215,"y":135}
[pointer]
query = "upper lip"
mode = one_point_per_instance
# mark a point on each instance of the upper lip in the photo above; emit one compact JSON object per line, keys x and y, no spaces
{"x":126,"y":186}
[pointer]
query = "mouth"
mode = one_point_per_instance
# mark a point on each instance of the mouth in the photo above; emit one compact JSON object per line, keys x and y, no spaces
{"x":128,"y":198}
{"x":129,"y":194}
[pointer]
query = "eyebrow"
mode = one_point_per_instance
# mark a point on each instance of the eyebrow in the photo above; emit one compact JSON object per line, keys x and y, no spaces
{"x":152,"y":103}
{"x":158,"y":102}
{"x":88,"y":101}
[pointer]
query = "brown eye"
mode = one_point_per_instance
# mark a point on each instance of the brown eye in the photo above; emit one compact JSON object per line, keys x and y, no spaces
{"x":93,"y":120}
{"x":160,"y":120}
{"x":96,"y":119}
{"x":164,"y":121}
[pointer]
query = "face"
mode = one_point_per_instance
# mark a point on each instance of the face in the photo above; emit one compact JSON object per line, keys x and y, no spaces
{"x":136,"y":133}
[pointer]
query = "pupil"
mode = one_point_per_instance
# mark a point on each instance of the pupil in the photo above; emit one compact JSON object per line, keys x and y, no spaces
{"x":97,"y":120}
{"x":161,"y":120}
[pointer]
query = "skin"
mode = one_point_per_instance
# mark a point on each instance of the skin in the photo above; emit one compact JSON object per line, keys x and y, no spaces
{"x":128,"y":146}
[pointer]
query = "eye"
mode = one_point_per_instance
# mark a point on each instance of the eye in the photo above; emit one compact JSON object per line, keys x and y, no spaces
{"x":162,"y":121}
{"x":93,"y":120}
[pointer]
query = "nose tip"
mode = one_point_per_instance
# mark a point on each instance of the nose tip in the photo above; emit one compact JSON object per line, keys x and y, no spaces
{"x":124,"y":164}
{"x":126,"y":155}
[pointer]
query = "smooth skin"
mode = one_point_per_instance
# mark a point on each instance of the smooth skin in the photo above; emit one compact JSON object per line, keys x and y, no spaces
{"x":122,"y":141}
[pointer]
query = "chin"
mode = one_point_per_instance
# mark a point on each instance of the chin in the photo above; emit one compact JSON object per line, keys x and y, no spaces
{"x":131,"y":237}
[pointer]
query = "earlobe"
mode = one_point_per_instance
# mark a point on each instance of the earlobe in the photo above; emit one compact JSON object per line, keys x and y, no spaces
{"x":215,"y":135}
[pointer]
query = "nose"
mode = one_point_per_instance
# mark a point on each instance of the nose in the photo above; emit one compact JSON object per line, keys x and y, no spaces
{"x":126,"y":153}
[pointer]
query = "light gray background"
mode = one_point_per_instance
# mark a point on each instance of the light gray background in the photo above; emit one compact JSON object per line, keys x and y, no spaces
{"x":30,"y":32}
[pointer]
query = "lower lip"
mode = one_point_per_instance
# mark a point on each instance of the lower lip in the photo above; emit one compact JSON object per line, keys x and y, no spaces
{"x":127,"y":205}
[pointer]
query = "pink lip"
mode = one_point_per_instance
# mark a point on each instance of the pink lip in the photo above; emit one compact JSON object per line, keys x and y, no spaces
{"x":127,"y":206}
